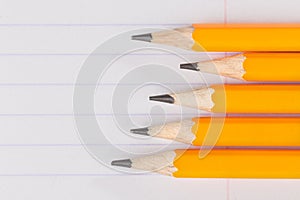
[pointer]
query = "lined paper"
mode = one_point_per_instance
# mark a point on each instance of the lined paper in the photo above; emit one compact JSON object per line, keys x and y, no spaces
{"x":43,"y":47}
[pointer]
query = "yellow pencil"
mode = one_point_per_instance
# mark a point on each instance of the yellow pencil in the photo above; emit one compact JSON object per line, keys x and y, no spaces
{"x":233,"y":131}
{"x":276,"y":67}
{"x":239,"y":98}
{"x":229,"y":37}
{"x":220,"y":164}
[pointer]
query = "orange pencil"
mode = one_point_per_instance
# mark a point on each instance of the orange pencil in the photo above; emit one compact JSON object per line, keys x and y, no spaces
{"x":239,"y":98}
{"x":276,"y":67}
{"x":233,"y":131}
{"x":220,"y":164}
{"x":229,"y":37}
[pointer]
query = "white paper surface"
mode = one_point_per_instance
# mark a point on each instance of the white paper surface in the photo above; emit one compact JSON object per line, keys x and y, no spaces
{"x":43,"y":47}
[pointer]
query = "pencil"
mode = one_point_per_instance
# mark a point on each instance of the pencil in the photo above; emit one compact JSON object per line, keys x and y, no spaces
{"x":239,"y":98}
{"x":229,"y":37}
{"x":267,"y":67}
{"x":233,"y":131}
{"x":220,"y":164}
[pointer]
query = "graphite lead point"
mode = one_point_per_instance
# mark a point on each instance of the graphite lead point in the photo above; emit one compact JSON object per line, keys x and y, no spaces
{"x":140,"y":131}
{"x":143,"y":37}
{"x":189,"y":66}
{"x":122,"y":163}
{"x":166,"y":98}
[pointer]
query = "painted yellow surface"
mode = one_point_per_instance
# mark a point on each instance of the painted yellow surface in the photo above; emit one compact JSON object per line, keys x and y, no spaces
{"x":272,"y":67}
{"x":256,"y":98}
{"x":247,"y":37}
{"x":249,"y":131}
{"x":238,"y":164}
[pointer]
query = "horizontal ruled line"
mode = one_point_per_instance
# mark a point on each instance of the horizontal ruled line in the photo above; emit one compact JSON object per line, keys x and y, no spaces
{"x":82,"y":145}
{"x":74,"y":174}
{"x":110,"y":54}
{"x":88,"y":115}
{"x":203,"y":114}
{"x":152,"y":144}
{"x":87,"y":84}
{"x":88,"y":24}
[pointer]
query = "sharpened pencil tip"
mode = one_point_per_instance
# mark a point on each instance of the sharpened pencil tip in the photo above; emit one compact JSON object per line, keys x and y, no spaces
{"x":189,"y":66}
{"x":140,"y":131}
{"x":166,"y":98}
{"x":122,"y":163}
{"x":143,"y":37}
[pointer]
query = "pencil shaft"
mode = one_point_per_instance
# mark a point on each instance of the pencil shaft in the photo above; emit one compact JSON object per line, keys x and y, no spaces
{"x":248,"y":131}
{"x":238,"y":164}
{"x":251,"y":37}
{"x":272,"y":67}
{"x":256,"y":98}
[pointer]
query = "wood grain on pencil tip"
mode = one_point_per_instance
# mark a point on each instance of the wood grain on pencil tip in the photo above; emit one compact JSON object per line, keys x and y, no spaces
{"x":230,"y":37}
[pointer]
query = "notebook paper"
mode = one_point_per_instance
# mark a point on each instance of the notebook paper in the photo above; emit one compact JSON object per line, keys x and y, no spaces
{"x":43,"y":48}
